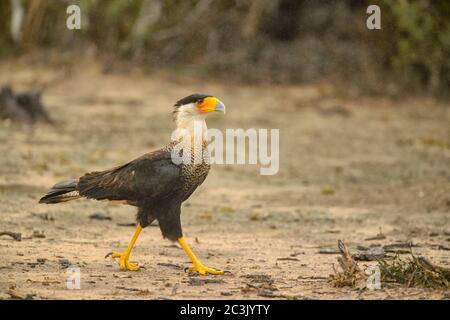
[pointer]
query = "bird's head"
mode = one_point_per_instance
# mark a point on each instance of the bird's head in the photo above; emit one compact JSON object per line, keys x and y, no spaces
{"x":197,"y":105}
{"x":191,"y":111}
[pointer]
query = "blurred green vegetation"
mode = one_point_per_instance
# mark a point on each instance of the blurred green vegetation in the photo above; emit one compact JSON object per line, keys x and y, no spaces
{"x":421,"y":37}
{"x":281,"y":41}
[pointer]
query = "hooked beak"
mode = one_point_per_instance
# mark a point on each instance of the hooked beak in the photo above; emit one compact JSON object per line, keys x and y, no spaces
{"x":220,"y":107}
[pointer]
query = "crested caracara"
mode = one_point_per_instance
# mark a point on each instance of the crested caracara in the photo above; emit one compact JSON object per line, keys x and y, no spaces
{"x":155,"y":183}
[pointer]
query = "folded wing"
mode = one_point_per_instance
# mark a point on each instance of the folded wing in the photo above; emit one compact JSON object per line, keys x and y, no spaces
{"x":152,"y":176}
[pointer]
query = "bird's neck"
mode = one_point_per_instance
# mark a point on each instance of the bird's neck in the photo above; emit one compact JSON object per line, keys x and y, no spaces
{"x":191,"y":126}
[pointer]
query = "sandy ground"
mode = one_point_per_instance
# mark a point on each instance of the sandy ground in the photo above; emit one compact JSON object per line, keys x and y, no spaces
{"x":348,"y":167}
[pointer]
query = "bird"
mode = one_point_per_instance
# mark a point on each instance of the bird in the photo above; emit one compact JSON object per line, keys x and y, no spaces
{"x":158,"y":182}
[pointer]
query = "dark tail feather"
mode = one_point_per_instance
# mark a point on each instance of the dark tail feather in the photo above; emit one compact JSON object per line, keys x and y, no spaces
{"x":63,"y":191}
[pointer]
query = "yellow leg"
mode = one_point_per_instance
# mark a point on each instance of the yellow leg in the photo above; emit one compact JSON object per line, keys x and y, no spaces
{"x":196,"y":264}
{"x":124,"y":264}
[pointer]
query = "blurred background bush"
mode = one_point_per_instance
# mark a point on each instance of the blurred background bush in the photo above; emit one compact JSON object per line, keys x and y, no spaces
{"x":275,"y":41}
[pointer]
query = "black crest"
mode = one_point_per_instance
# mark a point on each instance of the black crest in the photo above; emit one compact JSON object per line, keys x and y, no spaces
{"x":196,"y":97}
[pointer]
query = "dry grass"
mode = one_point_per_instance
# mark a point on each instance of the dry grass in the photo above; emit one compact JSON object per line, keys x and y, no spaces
{"x":411,"y":271}
{"x":414,"y":272}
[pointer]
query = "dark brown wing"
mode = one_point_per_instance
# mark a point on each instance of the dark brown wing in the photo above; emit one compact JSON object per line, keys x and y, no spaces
{"x":151,"y":176}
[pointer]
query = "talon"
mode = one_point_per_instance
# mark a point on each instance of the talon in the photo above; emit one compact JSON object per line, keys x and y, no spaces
{"x":201,"y":269}
{"x":130,"y":266}
{"x":196,"y":264}
{"x":116,"y":254}
{"x":124,"y":264}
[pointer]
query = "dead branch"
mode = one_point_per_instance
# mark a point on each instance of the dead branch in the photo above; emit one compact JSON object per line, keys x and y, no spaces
{"x":427,"y":264}
{"x":346,"y":261}
{"x":15,"y":235}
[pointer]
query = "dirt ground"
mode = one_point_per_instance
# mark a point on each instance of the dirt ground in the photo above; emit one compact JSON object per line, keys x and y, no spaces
{"x":348,"y":167}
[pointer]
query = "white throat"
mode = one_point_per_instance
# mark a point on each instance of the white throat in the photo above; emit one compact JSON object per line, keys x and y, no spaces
{"x":190,"y":124}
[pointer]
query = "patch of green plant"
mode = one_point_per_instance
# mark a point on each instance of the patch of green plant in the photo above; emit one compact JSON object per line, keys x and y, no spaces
{"x":414,"y":272}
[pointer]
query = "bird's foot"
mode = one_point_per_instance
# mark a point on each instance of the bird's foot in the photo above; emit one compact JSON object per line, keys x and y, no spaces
{"x":124,"y":264}
{"x":201,"y":269}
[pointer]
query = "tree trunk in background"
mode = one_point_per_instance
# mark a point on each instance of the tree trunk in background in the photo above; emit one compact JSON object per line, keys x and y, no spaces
{"x":16,"y":20}
{"x":33,"y":22}
{"x":149,"y":15}
{"x":251,"y":22}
